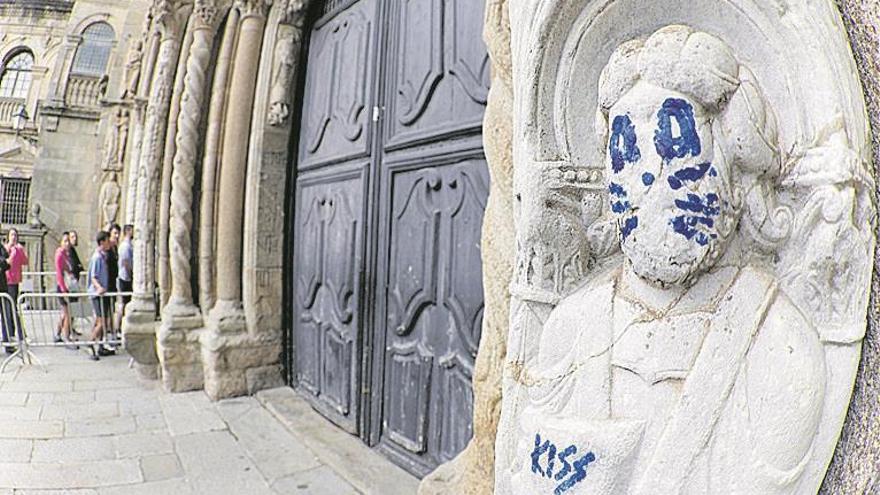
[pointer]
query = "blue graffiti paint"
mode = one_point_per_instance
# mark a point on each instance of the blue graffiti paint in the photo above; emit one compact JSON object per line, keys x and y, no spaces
{"x":551,"y":458}
{"x":580,"y":472}
{"x":688,"y":142}
{"x":575,"y":471}
{"x":628,"y":226}
{"x":622,"y":145}
{"x":689,"y":174}
{"x":563,"y":458}
{"x":620,"y":205}
{"x":697,"y":204}
{"x":698,"y":222}
{"x":647,"y":178}
{"x":539,"y":450}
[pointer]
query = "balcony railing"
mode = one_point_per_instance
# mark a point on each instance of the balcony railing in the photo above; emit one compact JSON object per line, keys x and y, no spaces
{"x":8,"y":108}
{"x":83,"y":91}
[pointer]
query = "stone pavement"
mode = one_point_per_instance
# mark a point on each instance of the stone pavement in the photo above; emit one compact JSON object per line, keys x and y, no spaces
{"x":94,"y":428}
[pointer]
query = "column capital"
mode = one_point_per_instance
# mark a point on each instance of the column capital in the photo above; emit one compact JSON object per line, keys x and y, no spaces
{"x":206,"y":14}
{"x":165,"y":17}
{"x":294,"y":13}
{"x":253,"y":8}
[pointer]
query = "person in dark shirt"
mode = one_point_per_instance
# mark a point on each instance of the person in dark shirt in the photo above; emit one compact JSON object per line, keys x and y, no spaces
{"x":8,"y":323}
{"x":76,"y":269}
{"x":113,"y":269}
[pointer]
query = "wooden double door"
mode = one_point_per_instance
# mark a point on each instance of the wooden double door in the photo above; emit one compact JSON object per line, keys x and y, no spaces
{"x":385,"y":288}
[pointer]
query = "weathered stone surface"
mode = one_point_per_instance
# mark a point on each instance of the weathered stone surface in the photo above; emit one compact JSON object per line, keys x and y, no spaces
{"x":217,"y":464}
{"x":856,"y":464}
{"x":468,"y":473}
{"x":604,"y":384}
{"x":161,"y":467}
{"x":85,"y":475}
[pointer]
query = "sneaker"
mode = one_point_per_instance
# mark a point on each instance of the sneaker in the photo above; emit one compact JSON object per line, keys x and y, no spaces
{"x":103,"y":351}
{"x":58,"y":338}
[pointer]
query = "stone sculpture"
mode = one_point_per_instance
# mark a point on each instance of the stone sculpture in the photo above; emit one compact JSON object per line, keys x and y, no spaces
{"x":117,"y":140}
{"x":713,"y":351}
{"x":133,"y":70}
{"x":109,"y":198}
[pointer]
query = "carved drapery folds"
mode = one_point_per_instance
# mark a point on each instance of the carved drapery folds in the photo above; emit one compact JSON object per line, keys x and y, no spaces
{"x":205,"y":16}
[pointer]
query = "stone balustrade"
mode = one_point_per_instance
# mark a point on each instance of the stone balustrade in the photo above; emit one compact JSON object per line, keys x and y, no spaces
{"x":83,"y":91}
{"x":8,"y":109}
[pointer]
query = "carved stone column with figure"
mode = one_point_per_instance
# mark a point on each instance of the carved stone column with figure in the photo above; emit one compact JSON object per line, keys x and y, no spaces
{"x":139,"y":324}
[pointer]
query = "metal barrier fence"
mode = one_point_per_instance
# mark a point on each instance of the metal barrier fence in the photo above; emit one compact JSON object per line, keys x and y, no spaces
{"x":45,"y":282}
{"x":10,"y":333}
{"x":39,"y":317}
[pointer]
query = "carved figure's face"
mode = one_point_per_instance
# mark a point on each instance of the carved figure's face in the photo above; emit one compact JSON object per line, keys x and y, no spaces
{"x":664,"y":187}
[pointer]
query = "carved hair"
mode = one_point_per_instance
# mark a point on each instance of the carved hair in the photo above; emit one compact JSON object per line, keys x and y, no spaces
{"x":702,"y":67}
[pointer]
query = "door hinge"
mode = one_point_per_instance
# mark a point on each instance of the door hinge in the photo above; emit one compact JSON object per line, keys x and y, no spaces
{"x":376,"y":112}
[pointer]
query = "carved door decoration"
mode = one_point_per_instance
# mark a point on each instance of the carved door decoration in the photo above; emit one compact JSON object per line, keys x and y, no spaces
{"x":385,"y":275}
{"x":434,"y":308}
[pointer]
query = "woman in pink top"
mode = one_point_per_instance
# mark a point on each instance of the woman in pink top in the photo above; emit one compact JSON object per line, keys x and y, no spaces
{"x":62,"y":272}
{"x":18,"y":259}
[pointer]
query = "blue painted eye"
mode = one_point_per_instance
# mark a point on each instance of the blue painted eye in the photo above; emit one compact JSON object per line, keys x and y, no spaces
{"x":669,"y":146}
{"x":622,"y":145}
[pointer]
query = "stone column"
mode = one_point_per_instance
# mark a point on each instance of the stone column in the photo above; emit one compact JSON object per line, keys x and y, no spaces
{"x":139,"y":325}
{"x":178,"y":340}
{"x":235,"y":155}
{"x":134,"y":155}
{"x":148,"y":60}
{"x":228,"y":321}
{"x":163,"y":275}
{"x":210,"y":164}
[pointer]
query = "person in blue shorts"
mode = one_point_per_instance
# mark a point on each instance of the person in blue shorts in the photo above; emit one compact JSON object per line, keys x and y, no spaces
{"x":99,"y":282}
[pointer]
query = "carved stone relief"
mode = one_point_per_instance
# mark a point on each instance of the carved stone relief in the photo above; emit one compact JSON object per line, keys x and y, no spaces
{"x":109,"y":196}
{"x":692,"y":325}
{"x":114,"y":146}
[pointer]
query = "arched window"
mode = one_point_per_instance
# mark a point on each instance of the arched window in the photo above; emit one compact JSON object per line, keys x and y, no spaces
{"x":94,"y":50}
{"x":16,"y":79}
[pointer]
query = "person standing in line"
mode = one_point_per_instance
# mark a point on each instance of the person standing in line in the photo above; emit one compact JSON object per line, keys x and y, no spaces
{"x":7,"y":310}
{"x":113,"y":270}
{"x":17,"y":260}
{"x":76,"y":269}
{"x":99,"y":281}
{"x":62,"y":275}
{"x":76,"y":266}
{"x":126,"y":257}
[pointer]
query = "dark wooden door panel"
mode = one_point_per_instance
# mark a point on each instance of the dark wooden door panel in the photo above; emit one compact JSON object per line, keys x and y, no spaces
{"x":328,"y":259}
{"x":440,"y":81}
{"x":387,"y":217}
{"x":336,"y":122}
{"x":434,"y":309}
